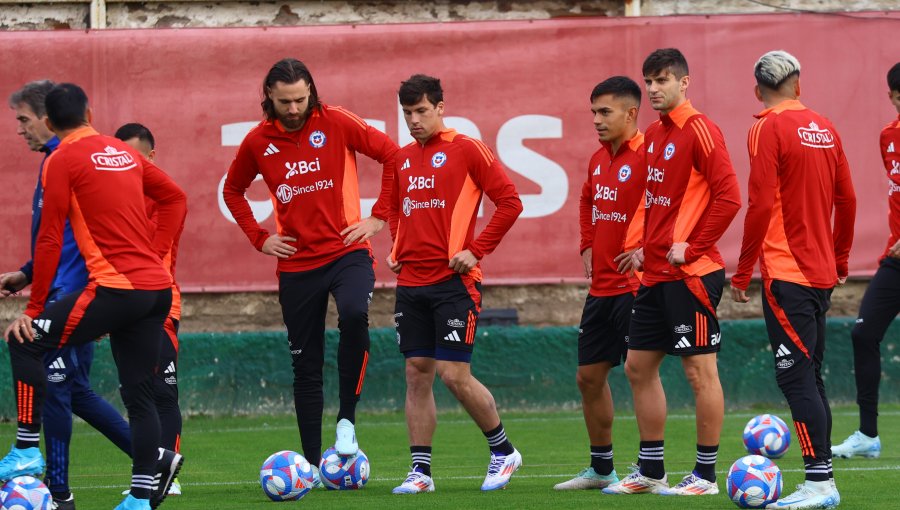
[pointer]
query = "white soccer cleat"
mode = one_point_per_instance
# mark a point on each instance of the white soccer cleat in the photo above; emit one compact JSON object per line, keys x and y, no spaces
{"x":501,"y":469}
{"x":345,"y":438}
{"x":415,"y":483}
{"x":692,"y":485}
{"x":858,"y":445}
{"x":175,"y":489}
{"x":809,"y":495}
{"x":636,"y":483}
{"x":588,"y":479}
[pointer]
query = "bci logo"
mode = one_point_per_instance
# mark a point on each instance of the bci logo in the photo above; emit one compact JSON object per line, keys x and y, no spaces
{"x":420,"y":183}
{"x":301,"y":167}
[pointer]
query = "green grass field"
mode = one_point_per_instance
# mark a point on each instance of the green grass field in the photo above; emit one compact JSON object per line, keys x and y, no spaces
{"x":223,"y":456}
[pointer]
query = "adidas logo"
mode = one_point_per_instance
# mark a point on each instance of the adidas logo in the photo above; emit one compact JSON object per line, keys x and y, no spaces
{"x":406,"y":165}
{"x":891,"y":147}
{"x":650,"y":149}
{"x":683,"y":329}
{"x":58,"y":364}
{"x":170,"y":369}
{"x":43,"y":325}
{"x":453,"y":337}
{"x":782,"y":351}
{"x":271,"y":149}
{"x":683,"y":343}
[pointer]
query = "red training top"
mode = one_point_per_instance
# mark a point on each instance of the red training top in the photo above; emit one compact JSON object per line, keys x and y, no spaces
{"x":796,"y":155}
{"x":611,"y":213}
{"x":434,"y":203}
{"x":99,"y":182}
{"x":692,"y":194}
{"x":168,"y":258}
{"x":890,"y":148}
{"x":311,"y":174}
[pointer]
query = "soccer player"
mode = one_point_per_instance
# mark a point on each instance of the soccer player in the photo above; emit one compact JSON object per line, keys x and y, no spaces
{"x":68,"y":383}
{"x":100,"y":183}
{"x":435,"y":196}
{"x":880,"y":303}
{"x":612,"y":221}
{"x":305,"y":151}
{"x":166,"y":381}
{"x":692,"y":196}
{"x":796,"y":153}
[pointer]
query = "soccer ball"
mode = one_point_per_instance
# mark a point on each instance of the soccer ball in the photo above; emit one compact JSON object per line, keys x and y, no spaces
{"x":753,"y":482}
{"x":767,"y":435}
{"x":286,"y":476}
{"x":344,"y":472}
{"x":25,"y":493}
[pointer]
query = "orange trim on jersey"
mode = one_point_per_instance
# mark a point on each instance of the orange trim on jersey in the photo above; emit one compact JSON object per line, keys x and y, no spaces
{"x":694,"y":203}
{"x":448,"y":135}
{"x":362,"y":373}
{"x":780,"y":314}
{"x":777,"y":261}
{"x":463,"y":215}
{"x":469,"y":280}
{"x":84,"y":300}
{"x":101,"y":271}
{"x":350,"y":189}
{"x":682,"y":113}
{"x":175,"y":309}
{"x":169,"y":328}
{"x":789,"y":104}
{"x":485,"y":152}
{"x":753,"y":137}
{"x":635,"y":142}
{"x":275,"y":216}
{"x":703,"y":135}
{"x":78,"y":134}
{"x":352,"y":116}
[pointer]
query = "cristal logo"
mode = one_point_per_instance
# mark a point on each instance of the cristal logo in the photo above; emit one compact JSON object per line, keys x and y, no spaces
{"x":407,"y":206}
{"x":301,"y":167}
{"x":284,"y":193}
{"x":815,"y":137}
{"x":113,"y":160}
{"x":420,"y":183}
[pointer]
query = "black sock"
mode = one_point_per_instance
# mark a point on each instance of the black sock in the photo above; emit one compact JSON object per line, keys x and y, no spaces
{"x":28,"y":436}
{"x":347,"y":410}
{"x":602,"y":459}
{"x":651,"y":459}
{"x":497,"y":441}
{"x":816,"y":470}
{"x":705,"y":467}
{"x":421,"y":459}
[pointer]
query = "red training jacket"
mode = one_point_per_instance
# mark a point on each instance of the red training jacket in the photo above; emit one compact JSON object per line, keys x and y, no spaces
{"x":890,"y":148}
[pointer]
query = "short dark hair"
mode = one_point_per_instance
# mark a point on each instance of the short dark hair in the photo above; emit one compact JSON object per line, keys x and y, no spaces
{"x":135,"y":130}
{"x":893,"y":77}
{"x":66,"y":105}
{"x":287,"y":70}
{"x":618,"y":86}
{"x":663,"y":59}
{"x":32,"y":94}
{"x":418,"y":85}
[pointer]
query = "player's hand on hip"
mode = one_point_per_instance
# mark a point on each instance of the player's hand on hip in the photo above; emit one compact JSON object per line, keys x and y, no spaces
{"x":393,"y":265}
{"x":637,"y":259}
{"x":841,"y":280}
{"x":20,"y":330}
{"x":894,"y":252}
{"x":739,"y":295}
{"x":361,"y":231}
{"x":587,"y":257}
{"x":12,"y":282}
{"x":676,"y":253}
{"x":463,"y":262}
{"x":278,"y":246}
{"x":625,"y":261}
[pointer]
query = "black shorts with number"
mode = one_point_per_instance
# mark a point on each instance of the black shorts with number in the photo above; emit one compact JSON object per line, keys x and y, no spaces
{"x":603,"y":332}
{"x":678,"y":317}
{"x":439,"y":316}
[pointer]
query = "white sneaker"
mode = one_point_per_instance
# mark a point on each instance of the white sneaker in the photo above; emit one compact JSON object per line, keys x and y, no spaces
{"x":317,"y":480}
{"x":415,"y":483}
{"x":345,"y":440}
{"x":692,"y":485}
{"x":175,"y":489}
{"x":858,"y":445}
{"x":588,"y":479}
{"x":636,"y":483}
{"x":810,"y":495}
{"x":501,"y":469}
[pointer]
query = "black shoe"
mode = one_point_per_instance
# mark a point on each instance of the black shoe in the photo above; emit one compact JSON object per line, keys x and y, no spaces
{"x":167,"y":468}
{"x":63,"y":504}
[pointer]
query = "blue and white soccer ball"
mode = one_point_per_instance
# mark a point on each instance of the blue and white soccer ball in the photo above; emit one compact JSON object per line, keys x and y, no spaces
{"x":753,"y":482}
{"x":767,"y":435}
{"x":286,"y":476}
{"x":25,"y":493}
{"x":344,"y":472}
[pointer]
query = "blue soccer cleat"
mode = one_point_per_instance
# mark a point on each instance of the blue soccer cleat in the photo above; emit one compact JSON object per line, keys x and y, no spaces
{"x":21,"y":462}
{"x":858,"y":445}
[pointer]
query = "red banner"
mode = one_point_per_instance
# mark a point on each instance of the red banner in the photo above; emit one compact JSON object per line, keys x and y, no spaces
{"x":522,"y":87}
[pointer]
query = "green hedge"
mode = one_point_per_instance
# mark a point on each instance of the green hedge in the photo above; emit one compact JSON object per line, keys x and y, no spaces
{"x":524,"y":367}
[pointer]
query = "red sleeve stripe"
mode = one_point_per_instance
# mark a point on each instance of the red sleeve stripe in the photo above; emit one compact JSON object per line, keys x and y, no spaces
{"x":485,"y":152}
{"x":352,"y":116}
{"x":753,"y":137}
{"x":703,"y":135}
